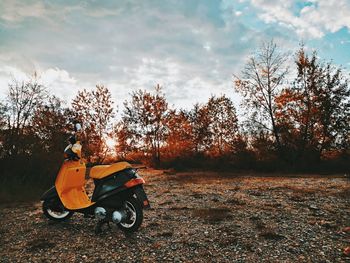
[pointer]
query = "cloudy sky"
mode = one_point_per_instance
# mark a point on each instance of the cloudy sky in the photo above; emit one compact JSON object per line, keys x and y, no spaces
{"x":191,"y":47}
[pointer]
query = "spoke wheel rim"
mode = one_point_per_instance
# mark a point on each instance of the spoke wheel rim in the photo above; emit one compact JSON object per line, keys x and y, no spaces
{"x":133,"y":216}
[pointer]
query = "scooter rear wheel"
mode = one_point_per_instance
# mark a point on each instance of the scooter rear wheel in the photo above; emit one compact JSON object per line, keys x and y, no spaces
{"x":135,"y":216}
{"x":54,"y":210}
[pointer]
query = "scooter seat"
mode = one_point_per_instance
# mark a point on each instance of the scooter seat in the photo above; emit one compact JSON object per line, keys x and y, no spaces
{"x":102,"y":171}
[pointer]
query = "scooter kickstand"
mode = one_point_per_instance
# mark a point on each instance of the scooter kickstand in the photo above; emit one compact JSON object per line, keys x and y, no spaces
{"x":98,"y":227}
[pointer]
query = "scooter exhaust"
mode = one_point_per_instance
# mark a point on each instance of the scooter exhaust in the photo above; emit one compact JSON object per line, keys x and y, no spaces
{"x":100,"y":213}
{"x":118,"y":216}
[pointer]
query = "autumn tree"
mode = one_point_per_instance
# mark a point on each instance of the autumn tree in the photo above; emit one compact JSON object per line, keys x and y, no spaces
{"x":51,"y":125}
{"x":127,"y":143}
{"x":199,"y":118}
{"x":260,"y":83}
{"x":315,"y":112}
{"x":214,"y":126}
{"x":144,"y":121}
{"x":95,"y":110}
{"x":223,"y":126}
{"x":179,"y":143}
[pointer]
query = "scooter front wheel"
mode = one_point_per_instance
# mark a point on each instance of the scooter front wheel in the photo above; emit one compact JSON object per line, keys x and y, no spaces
{"x":54,"y":210}
{"x":134,"y":216}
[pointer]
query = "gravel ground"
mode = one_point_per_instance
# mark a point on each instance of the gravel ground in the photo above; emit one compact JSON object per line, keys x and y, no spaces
{"x":198,"y":217}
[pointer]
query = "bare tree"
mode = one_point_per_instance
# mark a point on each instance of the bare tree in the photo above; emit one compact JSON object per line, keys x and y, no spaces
{"x":260,"y":83}
{"x":24,"y":98}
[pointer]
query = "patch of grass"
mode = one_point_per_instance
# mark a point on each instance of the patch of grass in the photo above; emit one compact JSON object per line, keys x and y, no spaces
{"x":179,"y":208}
{"x":166,"y":234}
{"x":254,"y":218}
{"x":344,"y":193}
{"x":212,"y":215}
{"x":197,"y":195}
{"x":154,"y":225}
{"x":236,"y":188}
{"x":297,"y":192}
{"x":255,"y":193}
{"x":215,"y":199}
{"x":236,"y":201}
{"x":227,"y":241}
{"x":297,"y":197}
{"x":39,"y":244}
{"x":271,"y":234}
{"x":280,"y":189}
{"x":266,"y":231}
{"x":166,"y":203}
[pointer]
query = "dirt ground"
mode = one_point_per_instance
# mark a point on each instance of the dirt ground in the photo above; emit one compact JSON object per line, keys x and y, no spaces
{"x":198,"y":217}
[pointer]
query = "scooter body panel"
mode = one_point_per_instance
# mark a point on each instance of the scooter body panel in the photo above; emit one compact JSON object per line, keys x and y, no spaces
{"x":70,"y":185}
{"x":112,"y":183}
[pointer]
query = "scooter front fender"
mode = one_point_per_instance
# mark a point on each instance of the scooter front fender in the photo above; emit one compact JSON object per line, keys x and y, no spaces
{"x":51,"y":193}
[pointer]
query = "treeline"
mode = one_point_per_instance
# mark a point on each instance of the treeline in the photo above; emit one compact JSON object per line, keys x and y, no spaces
{"x":297,"y":123}
{"x":296,"y":119}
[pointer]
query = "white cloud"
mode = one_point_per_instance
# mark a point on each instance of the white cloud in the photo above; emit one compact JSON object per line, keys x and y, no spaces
{"x":7,"y":75}
{"x":13,"y":72}
{"x":58,"y":82}
{"x":16,"y":11}
{"x":312,"y":21}
{"x":330,"y":15}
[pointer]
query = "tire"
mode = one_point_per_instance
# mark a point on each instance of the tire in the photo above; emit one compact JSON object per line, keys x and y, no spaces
{"x":54,"y":210}
{"x":135,"y":216}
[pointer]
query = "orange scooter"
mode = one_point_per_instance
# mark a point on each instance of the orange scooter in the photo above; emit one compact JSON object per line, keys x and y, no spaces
{"x":118,"y":195}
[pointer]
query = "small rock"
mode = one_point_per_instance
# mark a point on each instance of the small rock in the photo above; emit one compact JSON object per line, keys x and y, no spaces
{"x":313,"y":207}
